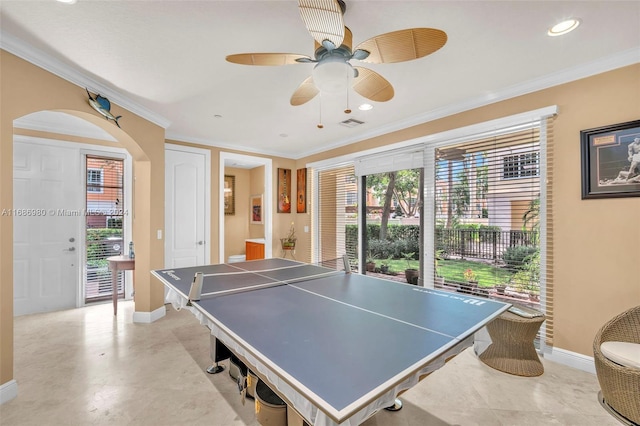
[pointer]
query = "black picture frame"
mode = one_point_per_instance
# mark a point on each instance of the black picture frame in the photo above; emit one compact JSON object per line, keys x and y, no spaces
{"x":610,"y":158}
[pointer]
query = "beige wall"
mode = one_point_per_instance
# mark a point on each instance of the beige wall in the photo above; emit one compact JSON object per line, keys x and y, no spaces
{"x":281,"y":221}
{"x":236,"y":226}
{"x":595,"y":262}
{"x":256,"y":188}
{"x":25,"y":89}
{"x":595,"y":252}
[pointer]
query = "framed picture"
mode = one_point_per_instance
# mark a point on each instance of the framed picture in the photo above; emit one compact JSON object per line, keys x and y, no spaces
{"x":284,"y":190}
{"x":301,"y":191}
{"x":255,"y":204}
{"x":611,"y":161}
{"x":229,"y":195}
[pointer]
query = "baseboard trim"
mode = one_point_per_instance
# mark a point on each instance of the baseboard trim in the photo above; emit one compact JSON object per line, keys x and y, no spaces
{"x":149,"y":317}
{"x":8,"y":391}
{"x":571,"y":359}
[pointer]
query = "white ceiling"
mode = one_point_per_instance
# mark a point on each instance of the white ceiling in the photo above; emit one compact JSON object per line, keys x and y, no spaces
{"x":165,"y":60}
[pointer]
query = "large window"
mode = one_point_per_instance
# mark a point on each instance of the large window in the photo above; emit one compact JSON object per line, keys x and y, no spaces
{"x":482,"y":224}
{"x":487,"y":229}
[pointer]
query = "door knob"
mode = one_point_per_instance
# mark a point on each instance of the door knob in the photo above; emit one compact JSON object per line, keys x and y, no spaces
{"x":70,"y":249}
{"x":71,"y":239}
{"x":200,"y":243}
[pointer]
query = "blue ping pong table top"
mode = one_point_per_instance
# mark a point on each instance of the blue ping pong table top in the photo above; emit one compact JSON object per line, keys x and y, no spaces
{"x":340,"y":340}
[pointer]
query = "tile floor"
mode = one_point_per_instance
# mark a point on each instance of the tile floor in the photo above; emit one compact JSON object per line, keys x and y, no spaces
{"x":85,"y":367}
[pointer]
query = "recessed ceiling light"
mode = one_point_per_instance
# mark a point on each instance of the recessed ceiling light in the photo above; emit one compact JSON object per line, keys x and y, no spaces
{"x":564,"y":27}
{"x":365,"y":107}
{"x":67,"y":1}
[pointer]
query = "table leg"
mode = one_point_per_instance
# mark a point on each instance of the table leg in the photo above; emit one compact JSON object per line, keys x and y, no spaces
{"x":114,"y":289}
{"x":217,"y":352}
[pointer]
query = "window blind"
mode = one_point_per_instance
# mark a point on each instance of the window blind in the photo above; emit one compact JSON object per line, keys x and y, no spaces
{"x":336,"y":216}
{"x":491,"y":218}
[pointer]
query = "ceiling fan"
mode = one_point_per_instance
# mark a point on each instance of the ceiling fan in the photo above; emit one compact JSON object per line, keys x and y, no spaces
{"x":333,"y":72}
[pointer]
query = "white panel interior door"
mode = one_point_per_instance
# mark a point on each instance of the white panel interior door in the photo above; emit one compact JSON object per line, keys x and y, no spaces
{"x":185,"y":204}
{"x":47,"y":193}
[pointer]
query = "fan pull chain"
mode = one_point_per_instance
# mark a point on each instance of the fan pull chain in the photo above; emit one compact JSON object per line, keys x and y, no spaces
{"x":320,"y":125}
{"x":347,"y":110}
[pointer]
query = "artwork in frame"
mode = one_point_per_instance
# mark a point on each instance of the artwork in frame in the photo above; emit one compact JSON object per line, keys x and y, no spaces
{"x":229,"y":195}
{"x":256,"y":209}
{"x":284,"y":190}
{"x":301,"y":191}
{"x":611,"y":161}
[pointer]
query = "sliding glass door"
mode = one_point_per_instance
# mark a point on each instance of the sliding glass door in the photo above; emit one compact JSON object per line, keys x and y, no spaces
{"x":392,"y":223}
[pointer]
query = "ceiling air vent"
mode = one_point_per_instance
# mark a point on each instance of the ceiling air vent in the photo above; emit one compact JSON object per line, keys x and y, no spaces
{"x":352,"y":122}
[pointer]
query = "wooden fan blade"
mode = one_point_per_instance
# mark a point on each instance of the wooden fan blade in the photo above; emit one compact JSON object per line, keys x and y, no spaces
{"x":268,"y":59}
{"x":323,"y":19}
{"x":372,"y":85}
{"x":304,"y":93}
{"x":403,"y":45}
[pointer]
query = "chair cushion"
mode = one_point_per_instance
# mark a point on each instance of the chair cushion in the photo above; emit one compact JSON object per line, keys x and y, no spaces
{"x":623,"y":353}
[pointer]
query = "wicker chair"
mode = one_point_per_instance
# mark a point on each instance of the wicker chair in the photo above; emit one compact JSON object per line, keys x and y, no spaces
{"x":620,"y":386}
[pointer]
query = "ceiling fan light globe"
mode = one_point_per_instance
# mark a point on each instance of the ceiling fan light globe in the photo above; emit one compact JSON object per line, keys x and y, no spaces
{"x":333,"y":75}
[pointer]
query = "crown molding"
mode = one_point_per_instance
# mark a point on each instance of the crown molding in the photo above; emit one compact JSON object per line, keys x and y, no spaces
{"x":626,"y":58}
{"x":30,"y":54}
{"x":224,"y":145}
{"x":38,"y":58}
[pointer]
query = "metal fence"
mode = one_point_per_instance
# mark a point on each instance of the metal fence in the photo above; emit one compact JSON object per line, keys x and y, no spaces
{"x":482,"y":244}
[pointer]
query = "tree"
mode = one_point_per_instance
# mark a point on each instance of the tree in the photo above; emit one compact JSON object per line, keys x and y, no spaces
{"x":402,"y":185}
{"x":461,"y":197}
{"x":531,"y":218}
{"x":381,"y":184}
{"x":405,"y":190}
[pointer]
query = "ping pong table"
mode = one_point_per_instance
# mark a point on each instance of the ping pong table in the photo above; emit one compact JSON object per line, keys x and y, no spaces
{"x":336,"y":346}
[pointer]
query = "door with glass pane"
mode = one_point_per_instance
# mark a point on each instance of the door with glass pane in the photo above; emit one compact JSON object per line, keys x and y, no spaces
{"x":104,"y":220}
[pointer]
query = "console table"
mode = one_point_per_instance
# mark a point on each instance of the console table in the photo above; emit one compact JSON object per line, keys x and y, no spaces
{"x":118,"y":263}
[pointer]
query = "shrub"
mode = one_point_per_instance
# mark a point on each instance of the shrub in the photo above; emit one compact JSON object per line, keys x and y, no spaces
{"x":379,"y":249}
{"x":516,"y":257}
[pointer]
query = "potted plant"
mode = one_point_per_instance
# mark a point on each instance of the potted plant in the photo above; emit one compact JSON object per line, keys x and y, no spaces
{"x":472,"y":281}
{"x":411,"y":274}
{"x":384,"y":266}
{"x":289,"y":242}
{"x":371,"y":263}
{"x":500,"y":288}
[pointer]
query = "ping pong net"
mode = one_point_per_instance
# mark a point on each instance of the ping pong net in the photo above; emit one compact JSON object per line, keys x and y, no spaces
{"x":256,"y":275}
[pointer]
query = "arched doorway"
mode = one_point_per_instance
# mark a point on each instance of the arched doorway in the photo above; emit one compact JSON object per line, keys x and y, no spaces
{"x":57,"y":265}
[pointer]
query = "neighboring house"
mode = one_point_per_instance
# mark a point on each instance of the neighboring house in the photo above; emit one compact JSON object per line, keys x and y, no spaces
{"x":104,"y":193}
{"x":500,"y":184}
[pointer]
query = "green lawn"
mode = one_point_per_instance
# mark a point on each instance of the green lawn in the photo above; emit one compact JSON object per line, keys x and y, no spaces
{"x":452,"y":270}
{"x":487,"y":275}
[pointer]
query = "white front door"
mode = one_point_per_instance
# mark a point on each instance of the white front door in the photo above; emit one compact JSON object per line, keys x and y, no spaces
{"x":47,"y":196}
{"x":186,"y":204}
